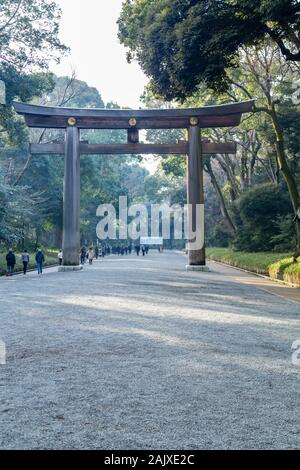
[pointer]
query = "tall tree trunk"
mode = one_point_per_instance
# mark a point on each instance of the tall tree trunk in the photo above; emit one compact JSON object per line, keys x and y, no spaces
{"x":225,"y":166}
{"x":287,"y":173}
{"x":218,"y":190}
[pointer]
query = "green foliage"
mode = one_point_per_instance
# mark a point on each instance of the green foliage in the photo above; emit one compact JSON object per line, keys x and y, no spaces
{"x":29,"y":33}
{"x":276,"y":270}
{"x":251,"y":261}
{"x":286,"y":236}
{"x":24,"y":87}
{"x":28,"y":42}
{"x":17,"y":206}
{"x":276,"y":265}
{"x":292,"y":273}
{"x":180,"y":44}
{"x":256,"y":217}
{"x":174,"y":165}
{"x":160,"y":188}
{"x":286,"y":270}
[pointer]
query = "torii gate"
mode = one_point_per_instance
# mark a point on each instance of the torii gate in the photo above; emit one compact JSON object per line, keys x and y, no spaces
{"x":72,"y":120}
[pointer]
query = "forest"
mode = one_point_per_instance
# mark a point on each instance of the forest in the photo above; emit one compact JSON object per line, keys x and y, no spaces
{"x":195,"y":53}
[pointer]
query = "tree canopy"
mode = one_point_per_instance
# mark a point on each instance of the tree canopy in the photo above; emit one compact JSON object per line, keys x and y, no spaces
{"x":28,"y":43}
{"x":181,"y":43}
{"x":29,"y":33}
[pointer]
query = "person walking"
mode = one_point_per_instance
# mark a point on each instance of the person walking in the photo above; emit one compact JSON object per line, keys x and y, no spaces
{"x":25,"y":261}
{"x":91,"y":255}
{"x":10,"y":262}
{"x":82,"y":255}
{"x":96,"y":252}
{"x":137,"y":250}
{"x":40,"y":259}
{"x":143,"y":250}
{"x":60,"y":257}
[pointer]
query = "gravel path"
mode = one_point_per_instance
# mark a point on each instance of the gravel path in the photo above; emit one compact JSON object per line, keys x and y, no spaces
{"x":140,"y":354}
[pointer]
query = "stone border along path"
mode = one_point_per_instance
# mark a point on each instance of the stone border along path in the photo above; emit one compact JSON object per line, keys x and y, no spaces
{"x":137,"y":353}
{"x":273,"y":286}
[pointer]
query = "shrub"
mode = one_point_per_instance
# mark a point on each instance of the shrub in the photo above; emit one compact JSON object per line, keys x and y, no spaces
{"x":257,"y":214}
{"x":276,"y":270}
{"x":286,"y":270}
{"x":256,"y":262}
{"x":292,"y":273}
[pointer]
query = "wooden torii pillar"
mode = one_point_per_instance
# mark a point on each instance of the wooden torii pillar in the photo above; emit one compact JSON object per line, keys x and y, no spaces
{"x":73,"y":120}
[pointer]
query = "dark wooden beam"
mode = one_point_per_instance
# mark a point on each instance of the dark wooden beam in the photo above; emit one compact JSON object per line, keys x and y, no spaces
{"x":127,"y":149}
{"x":212,"y":116}
{"x":133,"y":136}
{"x":112,"y":149}
{"x":212,"y":148}
{"x":50,"y":122}
{"x":47,"y":149}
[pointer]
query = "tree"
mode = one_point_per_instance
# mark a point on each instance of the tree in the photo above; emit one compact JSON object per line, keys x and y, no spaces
{"x":17,"y":207}
{"x":28,"y":43}
{"x":268,"y":140}
{"x":265,"y":75}
{"x":29,"y":33}
{"x":180,"y":44}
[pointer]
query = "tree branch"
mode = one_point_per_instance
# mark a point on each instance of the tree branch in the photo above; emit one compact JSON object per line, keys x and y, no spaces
{"x":12,"y":17}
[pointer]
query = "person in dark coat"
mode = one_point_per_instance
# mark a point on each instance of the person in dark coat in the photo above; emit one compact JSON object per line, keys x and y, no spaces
{"x":82,"y":255}
{"x":40,"y":259}
{"x":11,"y":262}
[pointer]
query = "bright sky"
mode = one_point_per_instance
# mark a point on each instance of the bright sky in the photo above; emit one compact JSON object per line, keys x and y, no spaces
{"x":89,"y":28}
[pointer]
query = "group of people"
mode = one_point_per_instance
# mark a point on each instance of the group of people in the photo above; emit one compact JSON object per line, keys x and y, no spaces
{"x":122,"y":250}
{"x":11,"y":261}
{"x":141,"y":248}
{"x":92,"y":253}
{"x":88,"y":255}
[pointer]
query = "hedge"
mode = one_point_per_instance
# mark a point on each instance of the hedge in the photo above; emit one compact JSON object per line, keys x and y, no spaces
{"x":286,"y":270}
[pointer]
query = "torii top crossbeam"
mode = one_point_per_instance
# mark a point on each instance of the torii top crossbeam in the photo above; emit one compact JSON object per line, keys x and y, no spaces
{"x":207,"y":117}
